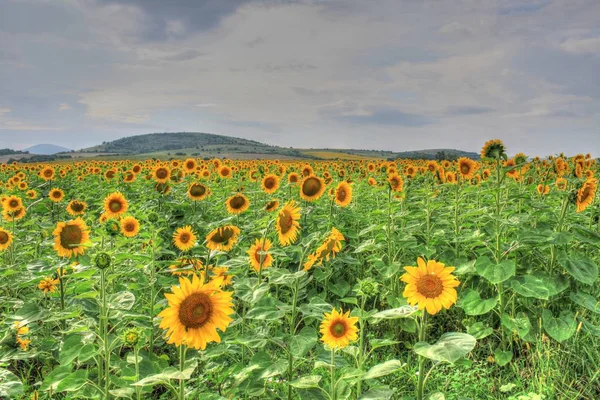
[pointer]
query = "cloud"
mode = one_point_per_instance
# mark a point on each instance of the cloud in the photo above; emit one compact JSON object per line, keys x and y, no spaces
{"x":64,"y":107}
{"x":582,"y":46}
{"x":468,"y":110}
{"x":185,"y":55}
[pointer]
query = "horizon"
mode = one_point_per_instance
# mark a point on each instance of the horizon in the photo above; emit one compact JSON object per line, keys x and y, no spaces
{"x":382,"y":75}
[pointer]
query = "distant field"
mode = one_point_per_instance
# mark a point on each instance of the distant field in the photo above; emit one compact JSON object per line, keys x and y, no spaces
{"x":332,"y":155}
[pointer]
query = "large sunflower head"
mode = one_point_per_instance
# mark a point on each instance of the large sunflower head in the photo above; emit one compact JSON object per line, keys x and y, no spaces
{"x":493,"y":149}
{"x":270,"y":183}
{"x":115,"y":205}
{"x":430,"y":285}
{"x":47,"y":173}
{"x":190,"y":165}
{"x":197,"y":191}
{"x":312,"y":188}
{"x":130,"y":226}
{"x":259,"y":255}
{"x":343,"y":194}
{"x":223,"y":238}
{"x":293,"y":178}
{"x":161,"y":173}
{"x":12,"y":203}
{"x":56,"y":195}
{"x":196,"y":310}
{"x":466,"y":168}
{"x":184,"y":238}
{"x":237,"y":204}
{"x":6,"y":239}
{"x":71,"y":238}
{"x":287,"y":224}
{"x":586,"y":194}
{"x":225,"y":172}
{"x":338,"y":329}
{"x":76,"y":207}
{"x":396,"y":182}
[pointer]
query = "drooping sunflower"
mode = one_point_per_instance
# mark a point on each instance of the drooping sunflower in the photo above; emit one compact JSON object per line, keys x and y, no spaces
{"x":287,"y":224}
{"x":343,"y":194}
{"x":196,"y":310}
{"x":48,"y":284}
{"x":396,"y":182}
{"x":312,"y":188}
{"x":260,"y":258}
{"x":56,"y":195}
{"x":270,"y":183}
{"x":223,"y":238}
{"x":197,"y":191}
{"x":430,"y":285}
{"x":327,"y":250}
{"x":493,"y":149}
{"x":184,"y":238}
{"x":71,"y":238}
{"x":182,"y":264}
{"x":561,"y":184}
{"x":6,"y":239}
{"x":272,"y":205}
{"x":237,"y":204}
{"x":130,"y":226}
{"x":466,"y":168}
{"x":76,"y":207}
{"x":338,"y":329}
{"x":586,"y":194}
{"x":115,"y":205}
{"x":161,"y":174}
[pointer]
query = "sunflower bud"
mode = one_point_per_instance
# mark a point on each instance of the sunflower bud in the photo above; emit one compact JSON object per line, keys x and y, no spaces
{"x":152,"y":217}
{"x":367,"y":287}
{"x":102,"y":261}
{"x":112,"y":227}
{"x":132,"y":336}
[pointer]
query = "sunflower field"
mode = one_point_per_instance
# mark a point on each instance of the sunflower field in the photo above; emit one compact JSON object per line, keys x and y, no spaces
{"x":265,"y":279}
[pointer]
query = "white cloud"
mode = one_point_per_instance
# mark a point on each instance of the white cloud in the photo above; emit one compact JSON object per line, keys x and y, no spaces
{"x":582,"y":46}
{"x":64,"y":107}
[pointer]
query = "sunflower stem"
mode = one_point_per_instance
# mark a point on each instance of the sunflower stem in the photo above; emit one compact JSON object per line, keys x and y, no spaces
{"x":182,"y":351}
{"x":422,"y":336}
{"x":333,"y":394}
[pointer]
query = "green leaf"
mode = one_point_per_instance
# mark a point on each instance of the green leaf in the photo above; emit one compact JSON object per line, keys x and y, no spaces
{"x":561,"y":328}
{"x":121,"y":301}
{"x":395,"y":313}
{"x":73,"y":382}
{"x":586,"y":235}
{"x":495,"y":273}
{"x":301,"y":343}
{"x":519,"y":324}
{"x":503,"y":357}
{"x":530,"y":286}
{"x":479,"y":330}
{"x":70,"y":350}
{"x":306,"y":382}
{"x":11,"y":387}
{"x":579,"y":267}
{"x":586,"y":300}
{"x":383,"y":369}
{"x":377,"y":394}
{"x":377,"y":343}
{"x":437,"y":396}
{"x":472,"y":303}
{"x":266,"y":310}
{"x":340,"y":288}
{"x":451,"y":347}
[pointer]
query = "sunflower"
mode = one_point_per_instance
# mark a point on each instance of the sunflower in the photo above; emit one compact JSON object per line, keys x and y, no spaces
{"x":161,"y":174}
{"x":115,"y":205}
{"x":466,"y":168}
{"x":180,"y":267}
{"x":222,"y":272}
{"x":196,"y":310}
{"x":184,"y":238}
{"x":327,"y":250}
{"x":260,"y":258}
{"x":48,"y":285}
{"x":396,"y":182}
{"x":430,"y":285}
{"x":225,"y":172}
{"x":56,"y":195}
{"x":287,"y":224}
{"x":338,"y":329}
{"x":561,"y":184}
{"x":543,"y":189}
{"x":197,"y":191}
{"x":371,"y":181}
{"x":15,"y":215}
{"x":270,"y":183}
{"x":223,"y":238}
{"x":71,"y":238}
{"x":272,"y":205}
{"x":31,"y":194}
{"x":47,"y":173}
{"x":343,"y":194}
{"x":493,"y":149}
{"x":190,"y":165}
{"x":12,"y":203}
{"x":586,"y":194}
{"x":312,"y":188}
{"x":6,"y":239}
{"x":130,"y":227}
{"x":237,"y":204}
{"x":76,"y":207}
{"x":293,"y":178}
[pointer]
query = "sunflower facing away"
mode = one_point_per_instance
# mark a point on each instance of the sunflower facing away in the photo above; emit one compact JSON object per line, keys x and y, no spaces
{"x":196,"y":310}
{"x":184,"y":238}
{"x":338,"y":329}
{"x":71,"y":238}
{"x":343,"y":194}
{"x":260,"y":258}
{"x":237,"y":204}
{"x":312,"y":188}
{"x":287,"y":224}
{"x":115,"y":205}
{"x":430,"y":285}
{"x":222,"y":238}
{"x":586,"y":194}
{"x":327,"y":250}
{"x":493,"y":149}
{"x":6,"y":239}
{"x":130,"y":227}
{"x":270,"y":183}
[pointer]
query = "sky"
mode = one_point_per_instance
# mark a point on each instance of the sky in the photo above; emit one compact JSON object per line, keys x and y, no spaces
{"x":373,"y":74}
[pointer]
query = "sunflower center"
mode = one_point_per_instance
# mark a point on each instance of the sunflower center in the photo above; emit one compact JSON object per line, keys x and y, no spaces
{"x":311,"y":186}
{"x":13,"y":203}
{"x":286,"y":221}
{"x":47,"y":173}
{"x":130,"y":227}
{"x":115,"y":206}
{"x":195,"y":310}
{"x":270,"y":183}
{"x":465,"y":169}
{"x":222,"y":236}
{"x":237,"y":202}
{"x":77,"y":207}
{"x":70,"y":236}
{"x":3,"y":237}
{"x":197,"y":190}
{"x":184,"y":238}
{"x":271,"y":205}
{"x":257,"y":254}
{"x":430,"y":286}
{"x":190,"y":165}
{"x":56,"y":194}
{"x":338,"y":329}
{"x":161,"y":173}
{"x":341,"y":194}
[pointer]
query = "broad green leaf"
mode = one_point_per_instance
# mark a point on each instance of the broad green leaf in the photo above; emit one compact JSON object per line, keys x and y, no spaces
{"x":121,"y":301}
{"x":495,"y":273}
{"x":383,"y":369}
{"x":530,"y":286}
{"x":70,"y":350}
{"x":479,"y":330}
{"x":451,"y":347}
{"x":559,"y":328}
{"x":11,"y":387}
{"x":395,"y":313}
{"x":586,"y":300}
{"x":473,"y":304}
{"x":503,"y":357}
{"x":266,"y":309}
{"x":73,"y":382}
{"x":579,"y":267}
{"x":306,"y":382}
{"x":586,"y":235}
{"x":377,"y":394}
{"x":301,"y":343}
{"x":377,"y":343}
{"x":519,"y":324}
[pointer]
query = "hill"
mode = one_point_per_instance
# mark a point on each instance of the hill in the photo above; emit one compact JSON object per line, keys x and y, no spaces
{"x":46,"y":149}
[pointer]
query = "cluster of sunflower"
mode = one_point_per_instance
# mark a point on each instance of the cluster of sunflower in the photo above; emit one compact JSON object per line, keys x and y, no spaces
{"x":20,"y":331}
